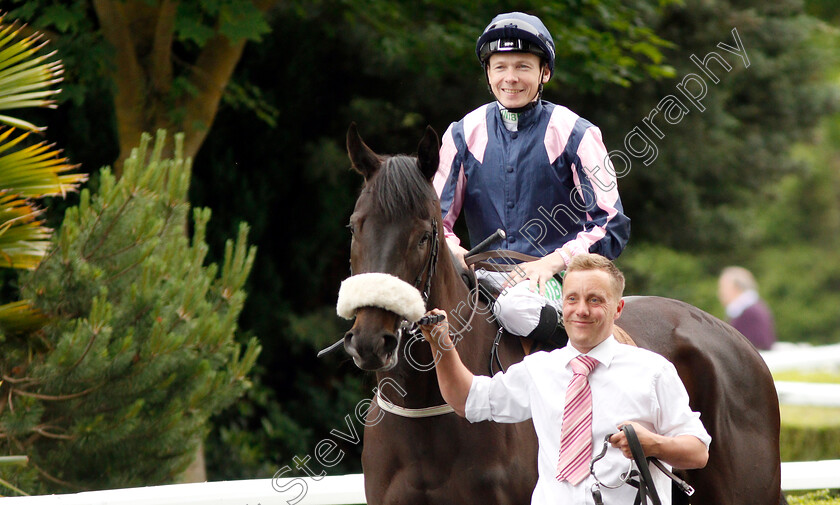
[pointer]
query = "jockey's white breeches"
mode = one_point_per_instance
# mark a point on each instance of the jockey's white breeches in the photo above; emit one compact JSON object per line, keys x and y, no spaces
{"x":517,"y":308}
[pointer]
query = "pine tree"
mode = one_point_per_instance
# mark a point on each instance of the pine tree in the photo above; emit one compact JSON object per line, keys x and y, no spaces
{"x":140,"y":346}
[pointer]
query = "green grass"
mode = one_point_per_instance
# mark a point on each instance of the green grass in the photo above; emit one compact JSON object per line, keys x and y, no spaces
{"x":806,"y":416}
{"x":819,"y":376}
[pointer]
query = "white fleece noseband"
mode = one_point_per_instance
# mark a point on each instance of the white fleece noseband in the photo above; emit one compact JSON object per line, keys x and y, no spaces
{"x":379,"y":290}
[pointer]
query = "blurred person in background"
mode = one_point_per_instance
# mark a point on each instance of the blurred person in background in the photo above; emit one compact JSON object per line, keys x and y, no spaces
{"x":738,"y":293}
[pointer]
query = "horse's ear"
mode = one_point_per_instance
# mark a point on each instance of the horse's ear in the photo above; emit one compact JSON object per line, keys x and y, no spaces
{"x":428,"y":153}
{"x":364,"y":160}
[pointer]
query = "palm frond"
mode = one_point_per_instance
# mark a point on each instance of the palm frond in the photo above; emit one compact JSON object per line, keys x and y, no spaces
{"x":35,"y":171}
{"x":25,"y":79}
{"x":28,"y":169}
{"x":24,"y":240}
{"x":20,"y":317}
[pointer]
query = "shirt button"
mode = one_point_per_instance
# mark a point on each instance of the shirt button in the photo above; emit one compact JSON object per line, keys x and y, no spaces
{"x":513,"y":135}
{"x":512,"y":240}
{"x":510,"y":170}
{"x":510,"y":205}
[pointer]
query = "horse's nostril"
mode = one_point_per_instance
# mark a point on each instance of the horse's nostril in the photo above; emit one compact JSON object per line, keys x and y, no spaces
{"x":389,"y":344}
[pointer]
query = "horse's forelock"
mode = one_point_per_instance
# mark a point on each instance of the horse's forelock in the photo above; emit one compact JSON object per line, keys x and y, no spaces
{"x":399,"y":189}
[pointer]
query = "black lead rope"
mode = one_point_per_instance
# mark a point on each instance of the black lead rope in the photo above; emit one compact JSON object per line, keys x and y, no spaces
{"x":644,"y":483}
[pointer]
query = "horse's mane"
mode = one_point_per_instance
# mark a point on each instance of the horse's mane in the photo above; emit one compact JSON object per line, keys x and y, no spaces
{"x":399,"y":189}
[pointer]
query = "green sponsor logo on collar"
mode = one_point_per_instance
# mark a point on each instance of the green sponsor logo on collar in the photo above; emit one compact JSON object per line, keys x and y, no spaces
{"x":510,"y":116}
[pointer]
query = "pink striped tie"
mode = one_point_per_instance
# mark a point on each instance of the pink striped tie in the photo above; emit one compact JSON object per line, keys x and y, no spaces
{"x":576,"y":444}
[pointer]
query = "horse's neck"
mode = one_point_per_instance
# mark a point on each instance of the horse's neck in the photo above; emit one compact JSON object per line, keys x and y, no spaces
{"x":472,"y":327}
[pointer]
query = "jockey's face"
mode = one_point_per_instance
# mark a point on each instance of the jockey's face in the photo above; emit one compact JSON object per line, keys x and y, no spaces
{"x":515,"y":78}
{"x":590,"y":306}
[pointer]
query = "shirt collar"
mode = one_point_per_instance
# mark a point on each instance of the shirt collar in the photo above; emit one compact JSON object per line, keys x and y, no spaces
{"x":603,"y":352}
{"x":737,"y":306}
{"x":530,"y":116}
{"x":527,"y":117}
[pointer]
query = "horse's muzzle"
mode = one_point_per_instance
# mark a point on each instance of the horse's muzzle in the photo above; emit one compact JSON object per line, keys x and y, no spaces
{"x":373,"y":340}
{"x":372,"y":354}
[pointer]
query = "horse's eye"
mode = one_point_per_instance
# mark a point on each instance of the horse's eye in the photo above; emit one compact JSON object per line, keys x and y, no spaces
{"x":425,"y":238}
{"x":351,"y":228}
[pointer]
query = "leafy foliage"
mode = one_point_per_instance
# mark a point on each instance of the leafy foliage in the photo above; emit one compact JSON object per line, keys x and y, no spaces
{"x":139,"y":351}
{"x":28,"y":170}
{"x":822,"y":497}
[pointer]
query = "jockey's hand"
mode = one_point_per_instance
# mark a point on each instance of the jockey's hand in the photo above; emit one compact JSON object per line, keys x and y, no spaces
{"x":437,"y":334}
{"x":648,"y":440}
{"x":537,"y":272}
{"x":458,"y":252}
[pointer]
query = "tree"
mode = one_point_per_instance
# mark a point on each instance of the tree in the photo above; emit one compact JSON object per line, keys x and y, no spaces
{"x":139,"y":350}
{"x":168,"y":62}
{"x":684,"y":190}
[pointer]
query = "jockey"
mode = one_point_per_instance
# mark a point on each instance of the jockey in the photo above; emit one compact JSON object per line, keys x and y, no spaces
{"x":532,"y":168}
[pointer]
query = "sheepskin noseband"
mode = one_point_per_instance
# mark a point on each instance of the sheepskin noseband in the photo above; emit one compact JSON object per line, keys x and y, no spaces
{"x":379,"y":290}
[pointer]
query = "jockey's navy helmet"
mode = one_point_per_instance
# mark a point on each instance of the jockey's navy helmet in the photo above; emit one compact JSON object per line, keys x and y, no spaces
{"x":516,"y":32}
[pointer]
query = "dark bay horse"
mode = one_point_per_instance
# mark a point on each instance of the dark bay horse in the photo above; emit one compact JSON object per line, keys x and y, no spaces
{"x":396,"y":228}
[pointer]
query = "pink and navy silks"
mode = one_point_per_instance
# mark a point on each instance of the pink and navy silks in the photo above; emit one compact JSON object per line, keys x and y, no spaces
{"x":546,"y":184}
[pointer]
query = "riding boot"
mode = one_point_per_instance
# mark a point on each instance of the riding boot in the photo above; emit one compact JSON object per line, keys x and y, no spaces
{"x":550,"y":330}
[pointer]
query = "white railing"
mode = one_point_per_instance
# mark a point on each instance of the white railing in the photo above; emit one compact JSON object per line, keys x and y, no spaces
{"x":805,"y":475}
{"x":330,"y":490}
{"x":786,"y":356}
{"x":806,"y":393}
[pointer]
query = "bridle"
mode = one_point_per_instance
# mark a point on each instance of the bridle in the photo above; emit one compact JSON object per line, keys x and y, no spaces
{"x":413,"y":329}
{"x":407,"y":327}
{"x":410,"y":328}
{"x":431,"y":264}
